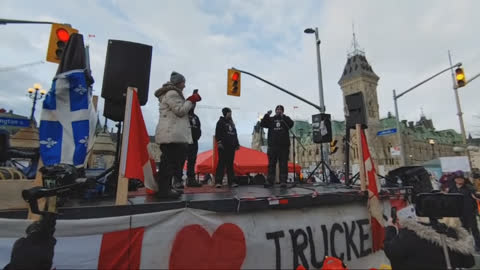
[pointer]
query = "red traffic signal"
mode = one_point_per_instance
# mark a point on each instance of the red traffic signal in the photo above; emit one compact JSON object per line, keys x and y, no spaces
{"x":62,"y":34}
{"x":235,"y":76}
{"x":59,"y":36}
{"x":233,"y":83}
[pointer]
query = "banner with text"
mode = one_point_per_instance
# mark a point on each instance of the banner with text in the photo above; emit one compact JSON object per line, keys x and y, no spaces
{"x":197,"y":239}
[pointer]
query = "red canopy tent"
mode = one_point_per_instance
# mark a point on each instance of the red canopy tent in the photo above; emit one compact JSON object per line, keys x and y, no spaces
{"x":246,"y":161}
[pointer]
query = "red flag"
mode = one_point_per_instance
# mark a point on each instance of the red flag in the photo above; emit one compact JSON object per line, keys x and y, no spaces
{"x":135,"y":161}
{"x":374,"y":206}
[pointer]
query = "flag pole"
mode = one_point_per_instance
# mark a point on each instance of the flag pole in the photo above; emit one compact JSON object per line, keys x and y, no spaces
{"x":122,"y":184}
{"x":361,"y":163}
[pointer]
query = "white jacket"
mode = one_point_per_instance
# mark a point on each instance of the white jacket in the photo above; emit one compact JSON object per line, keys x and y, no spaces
{"x":173,"y":125}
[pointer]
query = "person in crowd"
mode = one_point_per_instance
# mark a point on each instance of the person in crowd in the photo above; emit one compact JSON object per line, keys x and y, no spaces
{"x":470,"y":208}
{"x":36,"y":250}
{"x":445,"y":182}
{"x":227,"y":142}
{"x":411,"y":244}
{"x":173,"y":132}
{"x":193,"y":147}
{"x":278,"y":144}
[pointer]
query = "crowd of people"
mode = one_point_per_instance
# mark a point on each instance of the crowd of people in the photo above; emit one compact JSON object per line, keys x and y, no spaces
{"x":179,"y":129}
{"x":418,"y":244}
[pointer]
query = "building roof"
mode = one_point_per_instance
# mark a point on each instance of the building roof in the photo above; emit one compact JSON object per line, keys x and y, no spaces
{"x":357,"y":66}
{"x":420,"y":132}
{"x":10,"y":114}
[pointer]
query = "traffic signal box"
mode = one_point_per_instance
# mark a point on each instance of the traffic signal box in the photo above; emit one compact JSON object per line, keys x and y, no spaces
{"x":59,"y":36}
{"x":233,"y":82}
{"x":333,"y":147}
{"x":460,"y":77}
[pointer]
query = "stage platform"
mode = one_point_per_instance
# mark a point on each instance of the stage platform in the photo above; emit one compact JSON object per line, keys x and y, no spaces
{"x":228,"y":200}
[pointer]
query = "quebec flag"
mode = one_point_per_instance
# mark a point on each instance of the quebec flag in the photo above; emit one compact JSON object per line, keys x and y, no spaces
{"x":68,"y":120}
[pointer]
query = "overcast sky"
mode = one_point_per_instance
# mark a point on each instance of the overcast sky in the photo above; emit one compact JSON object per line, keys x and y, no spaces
{"x":404,"y":41}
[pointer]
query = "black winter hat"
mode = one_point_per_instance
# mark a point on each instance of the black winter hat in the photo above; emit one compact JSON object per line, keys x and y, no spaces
{"x":280,"y":107}
{"x":225,"y":111}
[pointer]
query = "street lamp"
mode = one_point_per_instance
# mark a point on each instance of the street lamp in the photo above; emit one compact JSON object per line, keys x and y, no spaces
{"x":432,"y":143}
{"x":33,"y":94}
{"x":319,"y":66}
{"x":399,"y":128}
{"x":320,"y":85}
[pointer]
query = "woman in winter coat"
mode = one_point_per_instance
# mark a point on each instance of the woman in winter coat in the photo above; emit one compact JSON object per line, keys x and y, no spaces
{"x":173,"y":132}
{"x":418,"y":245}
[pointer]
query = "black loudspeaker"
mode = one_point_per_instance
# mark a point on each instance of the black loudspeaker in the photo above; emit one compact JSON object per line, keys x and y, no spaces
{"x":322,"y":128}
{"x":4,"y":145}
{"x":356,"y":110}
{"x":114,"y":110}
{"x":127,"y":64}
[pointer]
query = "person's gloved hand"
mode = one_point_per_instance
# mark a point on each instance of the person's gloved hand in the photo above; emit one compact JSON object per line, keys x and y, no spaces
{"x":220,"y":146}
{"x":27,"y":253}
{"x":194,"y":98}
{"x":269,"y":112}
{"x":237,"y":147}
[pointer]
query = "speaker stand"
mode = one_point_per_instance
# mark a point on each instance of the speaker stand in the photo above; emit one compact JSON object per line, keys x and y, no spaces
{"x":324,"y":164}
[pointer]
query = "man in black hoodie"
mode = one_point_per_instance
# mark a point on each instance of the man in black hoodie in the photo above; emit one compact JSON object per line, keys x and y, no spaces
{"x":193,"y":148}
{"x":227,"y":141}
{"x":278,"y":144}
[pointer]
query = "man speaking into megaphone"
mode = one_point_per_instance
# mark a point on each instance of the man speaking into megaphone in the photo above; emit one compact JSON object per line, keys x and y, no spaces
{"x":278,"y":144}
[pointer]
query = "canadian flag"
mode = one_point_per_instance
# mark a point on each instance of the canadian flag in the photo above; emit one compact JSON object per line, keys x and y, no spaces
{"x":135,"y":161}
{"x":375,"y":208}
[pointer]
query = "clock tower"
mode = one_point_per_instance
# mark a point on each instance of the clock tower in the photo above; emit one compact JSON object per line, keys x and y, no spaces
{"x":358,"y":76}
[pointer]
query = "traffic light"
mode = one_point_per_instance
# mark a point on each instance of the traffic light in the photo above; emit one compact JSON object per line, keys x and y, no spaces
{"x":460,"y":76}
{"x":233,"y":82}
{"x":59,"y":36}
{"x":333,"y":147}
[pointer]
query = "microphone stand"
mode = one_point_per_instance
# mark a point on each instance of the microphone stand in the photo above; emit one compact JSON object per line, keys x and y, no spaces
{"x":295,"y":138}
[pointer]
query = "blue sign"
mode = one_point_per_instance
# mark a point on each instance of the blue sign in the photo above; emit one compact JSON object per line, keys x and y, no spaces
{"x":387,"y":132}
{"x":5,"y":121}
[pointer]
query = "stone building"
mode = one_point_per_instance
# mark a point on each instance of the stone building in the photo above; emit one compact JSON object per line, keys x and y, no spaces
{"x":422,"y":141}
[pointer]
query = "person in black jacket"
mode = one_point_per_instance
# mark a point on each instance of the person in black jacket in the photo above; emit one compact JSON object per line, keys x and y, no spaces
{"x":470,"y":209}
{"x":227,"y":141}
{"x":36,"y":250}
{"x":193,"y":148}
{"x":278,"y":144}
{"x":418,"y":245}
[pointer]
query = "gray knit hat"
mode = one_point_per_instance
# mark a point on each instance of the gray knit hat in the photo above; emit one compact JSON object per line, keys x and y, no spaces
{"x":176,"y":78}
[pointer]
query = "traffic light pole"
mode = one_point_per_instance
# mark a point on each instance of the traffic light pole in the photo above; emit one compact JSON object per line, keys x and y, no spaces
{"x":7,"y":21}
{"x":399,"y":127}
{"x":459,"y":109}
{"x":460,"y":113}
{"x":280,"y":88}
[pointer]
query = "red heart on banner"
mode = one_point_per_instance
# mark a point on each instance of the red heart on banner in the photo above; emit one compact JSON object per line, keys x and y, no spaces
{"x":194,"y":248}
